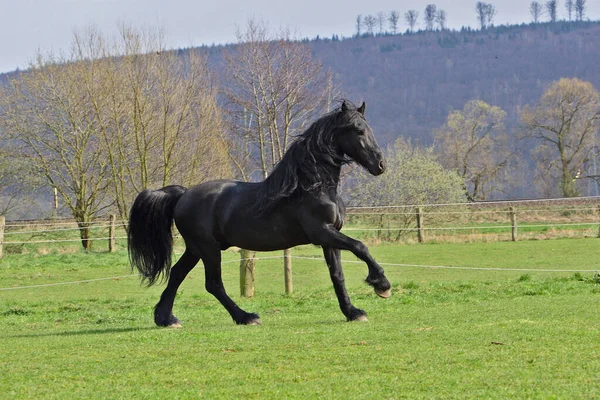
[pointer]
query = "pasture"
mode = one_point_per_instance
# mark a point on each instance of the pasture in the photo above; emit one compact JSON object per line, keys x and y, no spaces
{"x":444,"y":333}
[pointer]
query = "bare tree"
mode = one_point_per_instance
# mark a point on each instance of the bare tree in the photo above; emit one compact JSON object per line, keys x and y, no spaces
{"x":441,"y":18}
{"x":490,"y":14}
{"x":18,"y":179}
{"x":535,"y":9}
{"x":430,"y":13}
{"x":580,"y":9}
{"x":369,"y":22}
{"x":358,"y":25}
{"x":551,"y":7}
{"x":570,"y":6}
{"x":112,"y":118}
{"x":275,"y":89}
{"x":480,"y":9}
{"x":156,"y":111}
{"x":48,"y":117}
{"x":474,"y":143}
{"x":393,"y":19}
{"x":565,"y":123}
{"x":381,"y":22}
{"x":411,"y":17}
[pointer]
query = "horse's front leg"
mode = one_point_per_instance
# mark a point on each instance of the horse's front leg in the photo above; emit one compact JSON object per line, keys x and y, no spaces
{"x":328,"y":236}
{"x":334,"y":263}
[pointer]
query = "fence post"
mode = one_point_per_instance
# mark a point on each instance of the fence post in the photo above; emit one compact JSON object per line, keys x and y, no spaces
{"x":247,"y":266}
{"x":420,"y":230}
{"x":2,"y":223}
{"x":287,"y":270}
{"x":513,"y":222}
{"x":111,"y":233}
{"x":598,"y":225}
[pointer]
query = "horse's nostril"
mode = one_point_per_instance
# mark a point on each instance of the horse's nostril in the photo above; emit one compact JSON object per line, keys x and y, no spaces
{"x":382,"y":165}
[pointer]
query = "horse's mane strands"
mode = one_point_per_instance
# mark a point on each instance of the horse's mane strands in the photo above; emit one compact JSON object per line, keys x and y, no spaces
{"x":303,"y":166}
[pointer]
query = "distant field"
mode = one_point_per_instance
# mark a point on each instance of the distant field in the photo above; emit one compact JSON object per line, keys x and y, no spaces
{"x":445,"y":333}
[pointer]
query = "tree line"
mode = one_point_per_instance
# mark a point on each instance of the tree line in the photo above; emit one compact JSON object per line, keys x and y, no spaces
{"x":436,"y":18}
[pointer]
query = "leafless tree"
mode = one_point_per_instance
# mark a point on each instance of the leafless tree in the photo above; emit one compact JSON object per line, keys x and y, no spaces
{"x":411,"y":17}
{"x":441,"y":18}
{"x":580,"y":9}
{"x":551,"y":7}
{"x":275,"y":89}
{"x":480,"y":9}
{"x":358,"y":25}
{"x":381,"y":22}
{"x":369,"y":22}
{"x":570,"y":6}
{"x":535,"y":9}
{"x":113,"y":118}
{"x":490,"y":14}
{"x":17,"y":180}
{"x":430,"y":14}
{"x":473,"y":142}
{"x":565,"y":122}
{"x":393,"y":19}
{"x":48,"y":116}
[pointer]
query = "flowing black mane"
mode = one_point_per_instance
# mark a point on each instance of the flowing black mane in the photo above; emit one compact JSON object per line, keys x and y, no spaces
{"x":307,"y":164}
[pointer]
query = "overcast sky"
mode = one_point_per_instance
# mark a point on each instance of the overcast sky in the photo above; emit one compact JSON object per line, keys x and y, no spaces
{"x":27,"y":26}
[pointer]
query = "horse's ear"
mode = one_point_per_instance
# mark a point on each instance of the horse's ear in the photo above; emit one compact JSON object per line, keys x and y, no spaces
{"x":344,"y":106}
{"x":361,"y":109}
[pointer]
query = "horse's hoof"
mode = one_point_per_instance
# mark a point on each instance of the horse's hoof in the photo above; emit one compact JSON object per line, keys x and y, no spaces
{"x":362,"y":318}
{"x":175,"y":325}
{"x":385,"y":294}
{"x":254,"y":322}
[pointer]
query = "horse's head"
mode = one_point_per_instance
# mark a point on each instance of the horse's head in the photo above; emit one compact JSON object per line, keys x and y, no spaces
{"x":355,"y":139}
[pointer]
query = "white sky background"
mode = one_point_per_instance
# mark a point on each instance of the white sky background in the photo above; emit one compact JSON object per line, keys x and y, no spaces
{"x":28,"y":26}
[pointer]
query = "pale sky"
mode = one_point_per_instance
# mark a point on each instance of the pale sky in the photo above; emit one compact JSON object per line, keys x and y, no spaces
{"x":28,"y":26}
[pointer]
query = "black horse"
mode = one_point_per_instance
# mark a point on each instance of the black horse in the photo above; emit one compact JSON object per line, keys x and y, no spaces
{"x":296,"y":204}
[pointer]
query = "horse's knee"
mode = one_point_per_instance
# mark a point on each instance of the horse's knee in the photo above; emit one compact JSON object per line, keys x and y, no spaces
{"x":213,"y":287}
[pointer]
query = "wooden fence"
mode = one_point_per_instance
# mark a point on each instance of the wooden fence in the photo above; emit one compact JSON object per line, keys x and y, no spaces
{"x":484,"y":221}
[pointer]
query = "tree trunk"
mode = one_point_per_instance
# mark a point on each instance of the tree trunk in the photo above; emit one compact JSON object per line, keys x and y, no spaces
{"x":84,"y":233}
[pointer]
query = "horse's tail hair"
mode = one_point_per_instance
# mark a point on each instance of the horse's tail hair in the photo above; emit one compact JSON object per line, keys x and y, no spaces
{"x":149,"y":237}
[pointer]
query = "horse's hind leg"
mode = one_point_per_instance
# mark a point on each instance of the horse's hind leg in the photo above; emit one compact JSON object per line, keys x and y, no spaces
{"x":163,"y":312}
{"x":211,"y":257}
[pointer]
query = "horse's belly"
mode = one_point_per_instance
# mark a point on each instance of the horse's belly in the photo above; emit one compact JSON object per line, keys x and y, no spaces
{"x":268,"y":235}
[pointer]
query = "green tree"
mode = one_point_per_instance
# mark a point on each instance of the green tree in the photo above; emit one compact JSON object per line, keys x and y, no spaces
{"x":565,"y":123}
{"x":413,"y":177}
{"x":473,"y":142}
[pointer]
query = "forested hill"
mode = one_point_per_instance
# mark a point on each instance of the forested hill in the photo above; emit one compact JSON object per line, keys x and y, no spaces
{"x":412,"y":81}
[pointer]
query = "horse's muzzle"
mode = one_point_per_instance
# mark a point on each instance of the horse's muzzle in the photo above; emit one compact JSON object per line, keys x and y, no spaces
{"x":378,"y":169}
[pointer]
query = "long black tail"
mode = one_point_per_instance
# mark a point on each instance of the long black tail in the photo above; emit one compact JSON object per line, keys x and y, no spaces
{"x":150,"y":239}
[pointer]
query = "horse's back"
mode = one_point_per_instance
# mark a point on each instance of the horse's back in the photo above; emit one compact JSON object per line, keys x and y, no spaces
{"x":224,"y":212}
{"x":199,"y":209}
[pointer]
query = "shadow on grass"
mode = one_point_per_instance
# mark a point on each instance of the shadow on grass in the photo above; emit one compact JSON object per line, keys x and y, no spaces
{"x":84,"y":332}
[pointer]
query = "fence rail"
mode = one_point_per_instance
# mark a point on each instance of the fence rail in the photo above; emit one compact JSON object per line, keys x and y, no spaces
{"x":510,"y":220}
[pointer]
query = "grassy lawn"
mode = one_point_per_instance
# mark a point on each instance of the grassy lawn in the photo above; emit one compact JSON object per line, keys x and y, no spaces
{"x":445,"y":333}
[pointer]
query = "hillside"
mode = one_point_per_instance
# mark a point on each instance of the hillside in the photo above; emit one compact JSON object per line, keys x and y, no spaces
{"x":411,"y":82}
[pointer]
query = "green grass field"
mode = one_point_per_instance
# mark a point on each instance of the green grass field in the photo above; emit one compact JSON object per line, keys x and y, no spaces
{"x":445,"y":333}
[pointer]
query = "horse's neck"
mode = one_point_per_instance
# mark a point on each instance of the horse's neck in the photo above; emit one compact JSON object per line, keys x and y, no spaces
{"x":335,"y":172}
